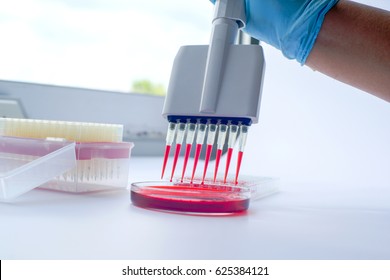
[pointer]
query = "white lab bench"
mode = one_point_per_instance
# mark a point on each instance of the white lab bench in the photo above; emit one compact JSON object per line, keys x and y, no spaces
{"x":304,"y":220}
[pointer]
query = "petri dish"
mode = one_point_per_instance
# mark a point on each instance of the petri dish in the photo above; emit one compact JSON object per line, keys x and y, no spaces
{"x":190,"y":198}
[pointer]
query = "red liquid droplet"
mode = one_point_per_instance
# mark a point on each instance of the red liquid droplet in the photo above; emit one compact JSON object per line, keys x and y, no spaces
{"x":217,"y":159}
{"x":207,"y":159}
{"x":186,"y":156}
{"x":177,"y":153}
{"x":229,"y":157}
{"x":167,"y":150}
{"x":240,"y":154}
{"x":197,"y":154}
{"x":206,"y":201}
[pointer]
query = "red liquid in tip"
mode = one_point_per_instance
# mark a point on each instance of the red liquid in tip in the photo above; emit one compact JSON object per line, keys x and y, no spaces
{"x":167,"y":150}
{"x":228,"y":159}
{"x":186,"y":156}
{"x":197,"y":154}
{"x":240,"y":154}
{"x":217,"y":159}
{"x":207,"y":159}
{"x":177,"y":153}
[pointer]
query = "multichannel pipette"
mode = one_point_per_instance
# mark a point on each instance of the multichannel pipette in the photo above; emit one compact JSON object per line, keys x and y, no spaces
{"x":216,"y":87}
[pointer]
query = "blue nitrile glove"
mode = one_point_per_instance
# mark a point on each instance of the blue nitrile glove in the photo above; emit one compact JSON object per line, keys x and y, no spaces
{"x":289,"y":25}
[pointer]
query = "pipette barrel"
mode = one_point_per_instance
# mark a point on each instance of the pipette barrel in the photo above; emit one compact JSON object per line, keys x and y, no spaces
{"x":242,"y":138}
{"x":212,"y":131}
{"x":191,"y":129}
{"x":201,"y":133}
{"x":181,"y":129}
{"x":222,"y":131}
{"x":233,"y":130}
{"x":170,"y":133}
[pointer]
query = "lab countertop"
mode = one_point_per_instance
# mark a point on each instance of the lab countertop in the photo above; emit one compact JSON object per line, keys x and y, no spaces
{"x":304,"y":220}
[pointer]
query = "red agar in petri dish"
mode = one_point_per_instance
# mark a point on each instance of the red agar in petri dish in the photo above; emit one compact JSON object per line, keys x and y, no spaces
{"x":190,"y":198}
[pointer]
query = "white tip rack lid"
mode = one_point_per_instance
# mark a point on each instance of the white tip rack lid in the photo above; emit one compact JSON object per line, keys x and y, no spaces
{"x":28,"y":163}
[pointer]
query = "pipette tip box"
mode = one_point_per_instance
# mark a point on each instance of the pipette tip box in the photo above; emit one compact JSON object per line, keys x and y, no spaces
{"x":99,"y":166}
{"x":55,"y":164}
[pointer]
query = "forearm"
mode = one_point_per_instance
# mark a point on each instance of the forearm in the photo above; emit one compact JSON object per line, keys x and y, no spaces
{"x":353,"y":46}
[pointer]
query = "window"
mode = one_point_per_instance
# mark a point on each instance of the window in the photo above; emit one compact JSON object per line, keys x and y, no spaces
{"x":100,"y":44}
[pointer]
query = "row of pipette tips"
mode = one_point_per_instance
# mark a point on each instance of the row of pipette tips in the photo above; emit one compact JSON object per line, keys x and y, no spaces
{"x":177,"y":131}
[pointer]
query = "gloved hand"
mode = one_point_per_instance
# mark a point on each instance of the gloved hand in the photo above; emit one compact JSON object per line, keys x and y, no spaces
{"x":289,"y":25}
